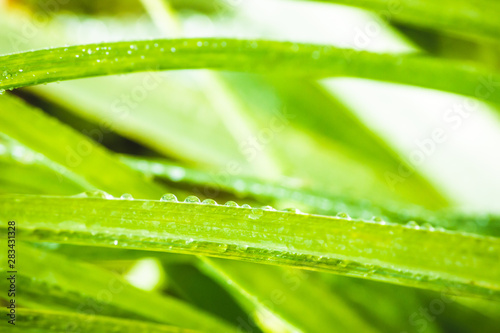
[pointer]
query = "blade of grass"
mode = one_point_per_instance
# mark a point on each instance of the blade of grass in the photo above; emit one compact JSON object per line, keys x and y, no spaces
{"x":52,"y":279}
{"x":286,"y":295}
{"x":471,"y":19}
{"x":73,"y":153}
{"x":406,"y":255}
{"x":285,"y":58}
{"x":30,"y":320}
{"x":313,"y":200}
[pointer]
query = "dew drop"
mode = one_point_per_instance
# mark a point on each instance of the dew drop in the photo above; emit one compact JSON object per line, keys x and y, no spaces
{"x":377,"y":219}
{"x":99,"y":194}
{"x":2,"y":91}
{"x":172,"y":49}
{"x":269,"y":208}
{"x":428,"y":226}
{"x":412,"y":224}
{"x":115,"y":242}
{"x":222,"y":248}
{"x":127,"y":196}
{"x":209,"y":202}
{"x":246,"y":206}
{"x":192,"y":199}
{"x":200,"y":44}
{"x":343,"y":215}
{"x":169,"y":197}
{"x":231,"y":204}
{"x":256,"y":214}
{"x":292,"y":210}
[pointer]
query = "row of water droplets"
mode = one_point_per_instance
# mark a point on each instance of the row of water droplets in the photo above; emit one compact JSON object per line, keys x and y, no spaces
{"x":104,"y":50}
{"x":256,"y":211}
{"x":192,"y":199}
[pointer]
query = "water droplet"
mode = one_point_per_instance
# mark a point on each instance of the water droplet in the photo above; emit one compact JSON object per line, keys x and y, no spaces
{"x":256,"y":214}
{"x":377,"y":219}
{"x":231,"y":204}
{"x":209,"y":202}
{"x":292,"y":210}
{"x":222,"y":248}
{"x":115,"y":242}
{"x":343,"y":263}
{"x":343,"y":215}
{"x":413,"y":224}
{"x":169,"y":197}
{"x":200,"y":44}
{"x":172,"y":49}
{"x":2,"y":91}
{"x":268,"y":208}
{"x":192,"y":199}
{"x":428,"y":226}
{"x":127,"y":196}
{"x":246,"y":206}
{"x":98,"y":194}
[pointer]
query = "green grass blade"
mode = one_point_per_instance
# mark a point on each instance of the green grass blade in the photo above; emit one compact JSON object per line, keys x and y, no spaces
{"x":472,"y":19}
{"x":406,"y":255}
{"x":313,"y":200}
{"x":29,"y":320}
{"x":74,"y":153}
{"x":285,"y":58}
{"x":48,"y":278}
{"x":275,"y":297}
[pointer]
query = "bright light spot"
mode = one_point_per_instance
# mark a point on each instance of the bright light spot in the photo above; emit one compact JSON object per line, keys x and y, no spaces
{"x":146,"y":274}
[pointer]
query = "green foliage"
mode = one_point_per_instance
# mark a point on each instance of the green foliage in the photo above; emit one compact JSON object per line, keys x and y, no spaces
{"x":91,"y":169}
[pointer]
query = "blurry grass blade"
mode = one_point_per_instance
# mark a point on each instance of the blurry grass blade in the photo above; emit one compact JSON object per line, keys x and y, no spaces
{"x":407,"y":255}
{"x":328,"y":118}
{"x":472,"y":19}
{"x":281,"y":296}
{"x":33,"y":172}
{"x":285,"y":58}
{"x":52,"y":279}
{"x":91,"y":253}
{"x":74,"y":152}
{"x":30,"y":320}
